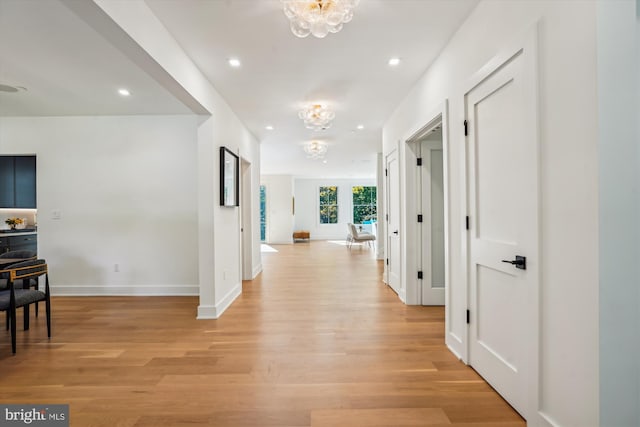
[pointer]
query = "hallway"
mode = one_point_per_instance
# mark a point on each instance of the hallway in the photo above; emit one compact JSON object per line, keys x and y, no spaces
{"x":316,"y":340}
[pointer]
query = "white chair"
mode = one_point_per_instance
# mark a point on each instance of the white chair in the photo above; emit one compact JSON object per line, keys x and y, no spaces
{"x":356,"y":236}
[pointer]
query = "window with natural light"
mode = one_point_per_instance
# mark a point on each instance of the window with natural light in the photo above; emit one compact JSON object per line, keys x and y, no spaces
{"x":328,"y":205}
{"x":364,"y":204}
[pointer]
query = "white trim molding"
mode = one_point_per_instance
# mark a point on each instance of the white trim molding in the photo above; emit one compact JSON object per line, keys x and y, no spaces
{"x":129,"y":290}
{"x":215,"y":311}
{"x":257,"y":270}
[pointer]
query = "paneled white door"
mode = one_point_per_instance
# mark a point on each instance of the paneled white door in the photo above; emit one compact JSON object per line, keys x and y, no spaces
{"x":393,"y":222}
{"x":502,"y":175}
{"x":433,"y":253}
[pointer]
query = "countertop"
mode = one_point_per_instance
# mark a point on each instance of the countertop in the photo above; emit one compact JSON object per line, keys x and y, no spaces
{"x":19,"y":232}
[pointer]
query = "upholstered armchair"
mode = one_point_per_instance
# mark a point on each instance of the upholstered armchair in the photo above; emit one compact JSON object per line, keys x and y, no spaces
{"x":356,"y":236}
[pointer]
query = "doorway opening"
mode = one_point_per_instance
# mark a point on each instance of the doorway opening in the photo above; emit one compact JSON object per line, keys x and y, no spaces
{"x":263,"y":213}
{"x":427,"y":207}
{"x":431,"y":191}
{"x":246,"y":233}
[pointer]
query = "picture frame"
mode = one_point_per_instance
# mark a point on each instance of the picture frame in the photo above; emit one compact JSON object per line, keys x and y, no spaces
{"x":229,"y":178}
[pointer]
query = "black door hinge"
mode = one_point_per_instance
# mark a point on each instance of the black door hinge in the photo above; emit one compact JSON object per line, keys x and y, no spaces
{"x":468,"y":317}
{"x":419,"y":274}
{"x":419,"y":161}
{"x":420,"y":218}
{"x":386,"y":172}
{"x":466,"y":128}
{"x":387,"y":217}
{"x":467,"y":222}
{"x":387,"y":261}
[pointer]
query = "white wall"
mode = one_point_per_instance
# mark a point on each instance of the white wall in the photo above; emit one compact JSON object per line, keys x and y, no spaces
{"x":619,"y":213}
{"x":568,"y":381}
{"x":127,"y":192}
{"x":220,"y":263}
{"x":279,"y":191}
{"x":308,"y":205}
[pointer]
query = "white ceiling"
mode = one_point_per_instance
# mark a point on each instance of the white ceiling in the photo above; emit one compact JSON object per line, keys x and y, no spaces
{"x":69,"y":69}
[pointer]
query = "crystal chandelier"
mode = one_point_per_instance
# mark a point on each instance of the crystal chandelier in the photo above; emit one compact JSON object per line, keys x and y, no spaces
{"x":317,"y":117}
{"x":315,"y":149}
{"x":318,"y":17}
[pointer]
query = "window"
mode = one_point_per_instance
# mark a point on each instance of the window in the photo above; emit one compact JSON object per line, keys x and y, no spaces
{"x":329,"y":205}
{"x":364,"y":204}
{"x":263,"y":213}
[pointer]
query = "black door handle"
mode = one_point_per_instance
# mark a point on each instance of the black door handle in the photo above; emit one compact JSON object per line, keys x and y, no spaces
{"x":395,"y":232}
{"x":520,"y":262}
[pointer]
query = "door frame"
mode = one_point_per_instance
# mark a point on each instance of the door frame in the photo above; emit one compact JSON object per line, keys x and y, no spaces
{"x":410,"y":226}
{"x":245,"y":220}
{"x":527,"y":43}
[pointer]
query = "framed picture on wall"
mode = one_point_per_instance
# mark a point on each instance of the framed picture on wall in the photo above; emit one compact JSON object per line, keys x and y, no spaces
{"x":229,"y":178}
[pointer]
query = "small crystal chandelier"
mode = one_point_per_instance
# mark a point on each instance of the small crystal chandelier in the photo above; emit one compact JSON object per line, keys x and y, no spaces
{"x":318,"y":17}
{"x":315,"y":149}
{"x":317,"y":117}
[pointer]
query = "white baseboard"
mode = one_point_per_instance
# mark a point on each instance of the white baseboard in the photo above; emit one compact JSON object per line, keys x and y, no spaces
{"x":129,"y":290}
{"x":546,"y":421}
{"x":215,"y":311}
{"x":452,"y":350}
{"x":257,"y":270}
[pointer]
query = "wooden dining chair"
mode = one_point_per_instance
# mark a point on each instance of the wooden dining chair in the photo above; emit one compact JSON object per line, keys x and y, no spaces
{"x":12,"y":298}
{"x":21,"y":256}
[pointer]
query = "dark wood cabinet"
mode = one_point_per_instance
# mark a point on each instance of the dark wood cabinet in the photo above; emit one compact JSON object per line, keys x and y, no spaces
{"x":19,"y":243}
{"x":4,"y":244}
{"x":7,"y":182}
{"x":24,"y":242}
{"x":18,"y":182}
{"x":25,"y":170}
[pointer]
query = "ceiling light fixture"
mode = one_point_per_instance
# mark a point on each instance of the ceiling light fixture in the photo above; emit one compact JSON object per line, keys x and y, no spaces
{"x":124,"y":92}
{"x":317,"y":117}
{"x":268,"y":127}
{"x":360,"y":127}
{"x":234,"y":62}
{"x":315,"y":149}
{"x":318,"y":17}
{"x":394,"y":62}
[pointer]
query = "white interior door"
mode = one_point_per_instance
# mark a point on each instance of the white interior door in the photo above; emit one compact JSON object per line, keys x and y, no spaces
{"x":503,"y":206}
{"x":393,"y":222}
{"x":432,"y":236}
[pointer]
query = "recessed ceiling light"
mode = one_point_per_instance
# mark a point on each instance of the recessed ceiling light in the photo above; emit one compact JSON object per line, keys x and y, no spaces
{"x":394,"y":62}
{"x":324,"y":161}
{"x":269,"y":127}
{"x":360,"y":127}
{"x":234,"y":62}
{"x":124,"y":92}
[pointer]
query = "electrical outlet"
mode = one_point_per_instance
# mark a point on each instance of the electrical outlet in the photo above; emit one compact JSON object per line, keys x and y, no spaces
{"x":56,"y":214}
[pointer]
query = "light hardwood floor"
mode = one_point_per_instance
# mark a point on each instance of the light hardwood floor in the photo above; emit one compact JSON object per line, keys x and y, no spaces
{"x":316,"y":340}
